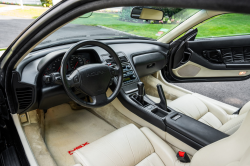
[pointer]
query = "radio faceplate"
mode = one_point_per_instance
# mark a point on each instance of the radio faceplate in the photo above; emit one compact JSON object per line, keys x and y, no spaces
{"x":128,"y":73}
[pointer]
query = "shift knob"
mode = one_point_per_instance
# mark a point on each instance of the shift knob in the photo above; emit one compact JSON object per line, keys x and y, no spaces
{"x":140,"y":86}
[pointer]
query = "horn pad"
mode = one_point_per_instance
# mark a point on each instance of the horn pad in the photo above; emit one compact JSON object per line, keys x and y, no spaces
{"x":95,"y":79}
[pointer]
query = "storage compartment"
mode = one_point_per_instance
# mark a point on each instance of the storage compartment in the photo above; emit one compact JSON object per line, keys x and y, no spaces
{"x":159,"y":112}
{"x":149,"y":63}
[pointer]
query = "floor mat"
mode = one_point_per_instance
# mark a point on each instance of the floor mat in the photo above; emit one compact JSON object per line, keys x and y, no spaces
{"x":66,"y":129}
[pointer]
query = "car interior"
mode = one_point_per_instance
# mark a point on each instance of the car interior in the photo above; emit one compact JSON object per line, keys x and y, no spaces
{"x":110,"y":102}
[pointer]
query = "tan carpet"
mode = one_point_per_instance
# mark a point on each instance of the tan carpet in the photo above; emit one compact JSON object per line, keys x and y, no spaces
{"x":66,"y":129}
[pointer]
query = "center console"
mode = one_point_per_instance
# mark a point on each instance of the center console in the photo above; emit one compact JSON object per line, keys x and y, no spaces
{"x":182,"y":127}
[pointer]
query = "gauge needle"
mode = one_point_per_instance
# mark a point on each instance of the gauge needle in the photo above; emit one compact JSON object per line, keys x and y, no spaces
{"x":58,"y":69}
{"x":76,"y":65}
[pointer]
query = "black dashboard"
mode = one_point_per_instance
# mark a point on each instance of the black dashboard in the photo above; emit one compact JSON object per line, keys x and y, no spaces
{"x":138,"y":58}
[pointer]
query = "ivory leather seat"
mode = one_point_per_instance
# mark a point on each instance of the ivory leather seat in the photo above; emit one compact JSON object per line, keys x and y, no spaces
{"x":208,"y":113}
{"x":130,"y":146}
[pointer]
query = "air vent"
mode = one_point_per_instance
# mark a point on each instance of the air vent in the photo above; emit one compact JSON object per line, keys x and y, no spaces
{"x":24,"y":97}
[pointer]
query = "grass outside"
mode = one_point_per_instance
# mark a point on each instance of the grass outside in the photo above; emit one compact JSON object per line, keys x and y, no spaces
{"x":2,"y":5}
{"x":3,"y":49}
{"x":224,"y":25}
{"x":27,"y":12}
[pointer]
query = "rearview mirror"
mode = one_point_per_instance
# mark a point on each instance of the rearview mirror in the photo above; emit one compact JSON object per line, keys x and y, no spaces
{"x":146,"y":13}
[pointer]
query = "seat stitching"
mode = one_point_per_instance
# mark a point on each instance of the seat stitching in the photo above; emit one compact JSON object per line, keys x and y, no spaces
{"x":130,"y":146}
{"x":107,"y":156}
{"x":197,"y":109}
{"x":207,"y":122}
{"x":159,"y":158}
{"x":117,"y":153}
{"x":148,"y":148}
{"x":234,"y":126}
{"x":149,"y":161}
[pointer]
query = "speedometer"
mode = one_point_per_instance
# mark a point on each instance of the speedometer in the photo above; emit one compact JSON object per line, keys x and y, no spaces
{"x":75,"y":62}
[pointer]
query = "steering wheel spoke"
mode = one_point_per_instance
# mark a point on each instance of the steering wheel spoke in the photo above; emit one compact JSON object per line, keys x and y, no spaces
{"x":114,"y":71}
{"x":99,"y":99}
{"x":74,"y":79}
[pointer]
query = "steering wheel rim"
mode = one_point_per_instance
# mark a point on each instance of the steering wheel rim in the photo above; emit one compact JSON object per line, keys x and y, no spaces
{"x":85,"y":74}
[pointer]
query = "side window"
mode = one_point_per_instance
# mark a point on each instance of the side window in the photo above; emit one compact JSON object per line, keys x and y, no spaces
{"x":225,"y":25}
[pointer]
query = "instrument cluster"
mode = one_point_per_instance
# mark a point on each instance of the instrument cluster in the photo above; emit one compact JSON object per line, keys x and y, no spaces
{"x":75,"y":61}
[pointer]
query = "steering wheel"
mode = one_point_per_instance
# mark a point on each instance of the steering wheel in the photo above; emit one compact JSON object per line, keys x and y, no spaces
{"x":91,"y":79}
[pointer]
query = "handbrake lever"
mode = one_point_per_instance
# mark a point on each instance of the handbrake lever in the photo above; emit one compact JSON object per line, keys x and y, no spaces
{"x":163,"y":102}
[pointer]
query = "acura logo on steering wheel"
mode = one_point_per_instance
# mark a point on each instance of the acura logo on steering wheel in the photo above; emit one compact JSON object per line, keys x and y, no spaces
{"x":95,"y":73}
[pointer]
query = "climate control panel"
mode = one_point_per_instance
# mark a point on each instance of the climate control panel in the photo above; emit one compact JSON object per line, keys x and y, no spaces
{"x":129,"y":75}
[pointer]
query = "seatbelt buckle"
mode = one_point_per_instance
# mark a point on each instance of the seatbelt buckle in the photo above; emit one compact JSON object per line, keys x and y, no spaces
{"x":183,"y":157}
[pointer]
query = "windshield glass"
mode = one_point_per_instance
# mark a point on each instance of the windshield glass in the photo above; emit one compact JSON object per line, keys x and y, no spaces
{"x":116,"y":22}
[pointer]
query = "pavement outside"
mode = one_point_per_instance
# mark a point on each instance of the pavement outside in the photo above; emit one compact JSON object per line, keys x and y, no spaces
{"x":233,"y":93}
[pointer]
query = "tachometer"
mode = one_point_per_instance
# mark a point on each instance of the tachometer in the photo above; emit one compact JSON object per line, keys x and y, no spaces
{"x":75,"y":62}
{"x":53,"y":67}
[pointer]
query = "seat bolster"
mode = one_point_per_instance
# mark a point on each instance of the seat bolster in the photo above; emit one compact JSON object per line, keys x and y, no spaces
{"x":211,"y":120}
{"x":245,"y":108}
{"x":233,"y":125}
{"x":126,"y":146}
{"x":217,"y":111}
{"x":190,"y":106}
{"x":162,"y":149}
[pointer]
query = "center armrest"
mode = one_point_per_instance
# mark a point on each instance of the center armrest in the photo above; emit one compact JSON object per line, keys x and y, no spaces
{"x":191,"y":131}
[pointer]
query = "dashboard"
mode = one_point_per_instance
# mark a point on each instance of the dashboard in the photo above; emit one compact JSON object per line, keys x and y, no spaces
{"x":138,"y":57}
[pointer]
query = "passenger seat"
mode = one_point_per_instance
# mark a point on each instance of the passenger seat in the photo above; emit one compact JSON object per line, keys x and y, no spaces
{"x":209,"y":114}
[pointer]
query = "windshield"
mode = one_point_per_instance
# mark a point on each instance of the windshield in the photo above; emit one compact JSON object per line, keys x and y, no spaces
{"x":116,"y":22}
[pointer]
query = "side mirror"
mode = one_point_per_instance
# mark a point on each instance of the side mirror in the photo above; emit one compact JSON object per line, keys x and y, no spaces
{"x":146,"y":14}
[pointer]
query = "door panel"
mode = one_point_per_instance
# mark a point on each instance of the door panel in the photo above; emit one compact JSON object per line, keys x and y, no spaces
{"x":211,"y":59}
{"x":191,"y":69}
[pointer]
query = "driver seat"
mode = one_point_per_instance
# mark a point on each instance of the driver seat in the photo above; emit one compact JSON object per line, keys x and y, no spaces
{"x":130,"y":146}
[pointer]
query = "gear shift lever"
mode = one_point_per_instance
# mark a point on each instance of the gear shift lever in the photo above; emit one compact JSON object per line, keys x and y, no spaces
{"x":163,"y":102}
{"x":140,"y":98}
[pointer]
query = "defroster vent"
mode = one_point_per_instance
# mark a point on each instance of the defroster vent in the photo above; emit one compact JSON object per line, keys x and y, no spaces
{"x":24,"y":97}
